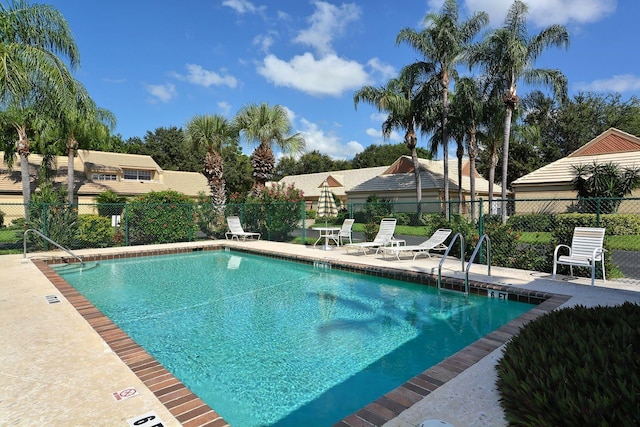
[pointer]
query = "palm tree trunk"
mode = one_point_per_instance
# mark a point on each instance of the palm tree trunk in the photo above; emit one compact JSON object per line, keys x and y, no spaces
{"x":472,"y":170}
{"x":445,"y":142}
{"x":505,"y":162}
{"x":459,"y":154}
{"x":23,"y":147}
{"x":492,"y":175}
{"x":71,"y":144}
{"x":411,"y":141}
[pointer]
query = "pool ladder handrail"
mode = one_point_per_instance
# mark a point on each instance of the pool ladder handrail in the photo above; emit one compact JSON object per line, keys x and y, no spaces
{"x":473,"y":257}
{"x":444,"y":256}
{"x":39,"y":233}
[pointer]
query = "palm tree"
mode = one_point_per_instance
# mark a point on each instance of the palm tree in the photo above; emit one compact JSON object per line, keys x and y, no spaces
{"x":265,"y":125}
{"x":82,"y":124}
{"x":406,"y":101}
{"x":32,"y":75}
{"x":442,"y":42}
{"x":214,"y":133}
{"x":508,"y":55}
{"x":468,"y":109}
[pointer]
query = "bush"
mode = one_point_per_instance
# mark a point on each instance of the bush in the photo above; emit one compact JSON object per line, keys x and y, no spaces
{"x":50,"y":214}
{"x":275,"y":212}
{"x":110,"y":203}
{"x":457,"y":224}
{"x":532,"y":222}
{"x":161,"y":217}
{"x":311,"y":214}
{"x":94,"y":231}
{"x":210,"y":219}
{"x":1,"y":219}
{"x":572,"y":367}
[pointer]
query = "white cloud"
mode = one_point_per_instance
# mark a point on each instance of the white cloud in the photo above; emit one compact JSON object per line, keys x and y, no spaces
{"x":224,"y":107}
{"x":329,"y":75}
{"x":621,"y":83}
{"x":544,"y":12}
{"x":377,"y":133}
{"x":263,"y":41}
{"x":163,"y":93}
{"x":329,"y":144}
{"x":240,"y":6}
{"x":386,"y":71}
{"x":327,"y":22}
{"x":197,"y":75}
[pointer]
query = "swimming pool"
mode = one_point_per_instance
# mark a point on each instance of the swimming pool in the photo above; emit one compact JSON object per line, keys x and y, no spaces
{"x":309,"y":346}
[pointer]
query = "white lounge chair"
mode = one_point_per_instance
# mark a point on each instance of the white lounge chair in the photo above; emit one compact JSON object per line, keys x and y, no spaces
{"x":433,"y":243}
{"x":236,"y":231}
{"x":383,"y":238}
{"x":345,"y":231}
{"x":586,"y":249}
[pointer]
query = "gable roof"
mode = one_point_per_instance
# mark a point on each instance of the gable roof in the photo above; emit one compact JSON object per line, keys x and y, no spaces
{"x":611,"y":146}
{"x":400,"y":177}
{"x":339,"y":181}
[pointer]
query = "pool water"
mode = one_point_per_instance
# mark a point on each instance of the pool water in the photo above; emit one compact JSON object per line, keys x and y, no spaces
{"x":269,"y":342}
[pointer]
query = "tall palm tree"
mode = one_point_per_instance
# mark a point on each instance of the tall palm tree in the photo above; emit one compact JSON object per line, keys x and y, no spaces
{"x":34,"y":40}
{"x":467,"y":109}
{"x":266,"y":125}
{"x":214,"y":133}
{"x":406,"y":100}
{"x":443,"y":42}
{"x":508,"y":55}
{"x":83,"y":123}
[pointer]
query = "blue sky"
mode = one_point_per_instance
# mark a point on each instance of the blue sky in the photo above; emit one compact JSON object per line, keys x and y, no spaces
{"x":159,"y":63}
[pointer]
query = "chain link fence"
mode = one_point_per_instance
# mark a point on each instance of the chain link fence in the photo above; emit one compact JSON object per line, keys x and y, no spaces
{"x":526,"y":241}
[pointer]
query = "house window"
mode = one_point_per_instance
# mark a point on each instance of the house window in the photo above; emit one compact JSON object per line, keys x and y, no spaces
{"x":104,"y":177}
{"x":137,"y":175}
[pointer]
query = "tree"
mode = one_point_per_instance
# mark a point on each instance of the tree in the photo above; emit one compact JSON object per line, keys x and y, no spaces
{"x":34,"y":80}
{"x":442,"y":43}
{"x":606,"y":181}
{"x":384,"y":155}
{"x":508,"y":55}
{"x":264,"y":126}
{"x":212,"y":132}
{"x":405,"y":99}
{"x":312,"y":162}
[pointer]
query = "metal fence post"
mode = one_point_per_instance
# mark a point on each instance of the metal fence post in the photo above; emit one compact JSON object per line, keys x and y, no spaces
{"x":598,"y":200}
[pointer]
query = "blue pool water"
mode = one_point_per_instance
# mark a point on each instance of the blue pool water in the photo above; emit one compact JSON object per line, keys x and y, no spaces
{"x":268,"y":342}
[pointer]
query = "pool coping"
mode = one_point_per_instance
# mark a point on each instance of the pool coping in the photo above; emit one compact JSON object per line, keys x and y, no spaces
{"x":190,"y":410}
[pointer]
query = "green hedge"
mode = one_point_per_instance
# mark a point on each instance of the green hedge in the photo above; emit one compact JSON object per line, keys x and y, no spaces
{"x":616,"y":224}
{"x":573,"y":367}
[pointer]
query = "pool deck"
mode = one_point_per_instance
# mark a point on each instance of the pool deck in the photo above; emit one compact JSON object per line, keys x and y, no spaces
{"x":55,"y":369}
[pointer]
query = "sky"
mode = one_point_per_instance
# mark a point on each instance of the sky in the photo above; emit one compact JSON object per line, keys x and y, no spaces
{"x":159,"y":63}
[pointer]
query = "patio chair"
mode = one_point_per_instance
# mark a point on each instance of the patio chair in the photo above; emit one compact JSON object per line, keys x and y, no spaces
{"x":383,"y":238}
{"x":345,"y":231}
{"x":586,"y":249}
{"x":236,"y":231}
{"x":433,"y":243}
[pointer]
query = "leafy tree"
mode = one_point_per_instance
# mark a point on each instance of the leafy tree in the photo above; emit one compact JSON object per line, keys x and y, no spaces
{"x":384,"y":155}
{"x":311,"y":162}
{"x":34,"y":80}
{"x":442,"y":43}
{"x":167,"y":147}
{"x":264,"y":125}
{"x":606,"y":181}
{"x":237,"y":173}
{"x":508,"y":55}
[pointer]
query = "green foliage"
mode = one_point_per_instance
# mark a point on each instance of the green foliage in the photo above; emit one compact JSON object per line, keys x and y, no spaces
{"x":531,"y":222}
{"x":110,"y":203}
{"x":160,"y":217}
{"x":311,"y":214}
{"x":50,"y":214}
{"x":275,"y":212}
{"x":2,"y":219}
{"x":209,"y":218}
{"x":457,"y":224}
{"x":607,"y":181}
{"x":311,"y":162}
{"x":94,"y":231}
{"x":375,"y":209}
{"x":575,"y":366}
{"x":384,"y":155}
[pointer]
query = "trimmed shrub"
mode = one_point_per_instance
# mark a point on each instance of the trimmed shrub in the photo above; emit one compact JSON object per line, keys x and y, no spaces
{"x":532,"y":222}
{"x":275,"y":212}
{"x":110,"y":203}
{"x":160,"y":217}
{"x":94,"y":231}
{"x":572,"y":367}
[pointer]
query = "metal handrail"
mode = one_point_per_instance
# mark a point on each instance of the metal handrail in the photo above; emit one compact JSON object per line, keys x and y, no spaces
{"x":444,"y":256}
{"x":39,"y":233}
{"x":473,"y":256}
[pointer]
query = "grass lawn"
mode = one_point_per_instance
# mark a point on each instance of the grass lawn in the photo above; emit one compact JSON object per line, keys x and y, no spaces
{"x":9,"y":235}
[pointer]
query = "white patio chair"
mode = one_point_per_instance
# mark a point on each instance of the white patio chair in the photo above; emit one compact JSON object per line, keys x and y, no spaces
{"x":345,"y":231}
{"x":433,"y":243}
{"x":586,"y":249}
{"x":236,"y":231}
{"x":383,"y":238}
